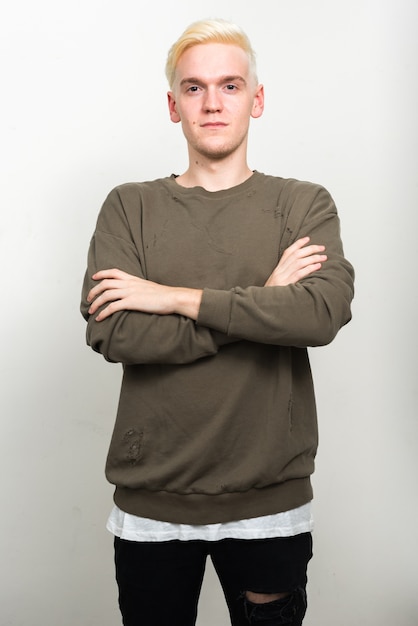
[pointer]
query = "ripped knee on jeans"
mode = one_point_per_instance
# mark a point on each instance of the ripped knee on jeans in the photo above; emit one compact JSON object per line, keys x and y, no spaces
{"x":261,"y":598}
{"x":272,"y":609}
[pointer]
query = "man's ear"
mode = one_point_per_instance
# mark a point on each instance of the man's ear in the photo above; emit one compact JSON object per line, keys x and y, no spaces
{"x":174,"y":116}
{"x":258,"y":105}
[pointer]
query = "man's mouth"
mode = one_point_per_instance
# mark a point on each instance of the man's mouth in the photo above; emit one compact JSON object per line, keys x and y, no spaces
{"x":214,"y":125}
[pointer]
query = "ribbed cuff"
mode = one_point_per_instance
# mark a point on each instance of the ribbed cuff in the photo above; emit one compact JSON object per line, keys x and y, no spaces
{"x":215,"y":309}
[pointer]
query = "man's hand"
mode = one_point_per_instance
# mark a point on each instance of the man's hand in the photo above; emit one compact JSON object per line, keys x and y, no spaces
{"x":125,"y":292}
{"x":298,"y":261}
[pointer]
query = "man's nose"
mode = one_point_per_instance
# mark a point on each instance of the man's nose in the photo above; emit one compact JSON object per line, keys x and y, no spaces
{"x":213,"y":101}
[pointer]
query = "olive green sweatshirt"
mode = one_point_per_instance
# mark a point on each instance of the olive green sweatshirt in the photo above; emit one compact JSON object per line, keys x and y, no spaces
{"x":216,"y":418}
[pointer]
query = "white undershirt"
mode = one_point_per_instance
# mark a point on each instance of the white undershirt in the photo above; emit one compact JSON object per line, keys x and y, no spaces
{"x":133,"y":528}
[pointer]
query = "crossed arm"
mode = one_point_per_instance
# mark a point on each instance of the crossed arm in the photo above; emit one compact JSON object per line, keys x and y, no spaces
{"x":121,"y":291}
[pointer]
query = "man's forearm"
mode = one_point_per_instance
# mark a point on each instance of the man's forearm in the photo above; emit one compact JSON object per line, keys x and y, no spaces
{"x":121,"y":291}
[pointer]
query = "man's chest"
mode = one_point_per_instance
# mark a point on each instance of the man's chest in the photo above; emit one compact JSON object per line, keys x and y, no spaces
{"x":220,"y":248}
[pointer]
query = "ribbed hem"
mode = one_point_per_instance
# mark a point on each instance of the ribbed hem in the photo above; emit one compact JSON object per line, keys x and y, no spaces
{"x":204,"y":509}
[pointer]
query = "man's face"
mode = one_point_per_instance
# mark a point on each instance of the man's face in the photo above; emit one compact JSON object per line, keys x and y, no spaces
{"x":214,"y":95}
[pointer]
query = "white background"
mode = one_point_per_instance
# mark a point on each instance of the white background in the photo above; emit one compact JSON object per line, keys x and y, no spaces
{"x":83,"y":108}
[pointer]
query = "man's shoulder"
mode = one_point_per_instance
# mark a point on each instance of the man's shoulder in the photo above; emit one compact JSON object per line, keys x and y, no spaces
{"x":292,"y":185}
{"x":129,"y":198}
{"x":145,"y":186}
{"x":291,"y":192}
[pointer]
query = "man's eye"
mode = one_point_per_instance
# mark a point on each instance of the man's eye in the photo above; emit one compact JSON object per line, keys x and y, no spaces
{"x":230,"y":87}
{"x":193,"y":88}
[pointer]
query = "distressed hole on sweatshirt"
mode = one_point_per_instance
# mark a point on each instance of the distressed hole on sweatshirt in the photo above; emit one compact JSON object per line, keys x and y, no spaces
{"x":276,"y":212}
{"x":132,"y":442}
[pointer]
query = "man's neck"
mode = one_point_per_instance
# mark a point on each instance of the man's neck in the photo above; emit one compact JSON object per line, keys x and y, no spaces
{"x":215,"y":176}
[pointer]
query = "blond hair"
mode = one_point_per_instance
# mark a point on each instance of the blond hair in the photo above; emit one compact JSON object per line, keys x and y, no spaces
{"x":209,"y":31}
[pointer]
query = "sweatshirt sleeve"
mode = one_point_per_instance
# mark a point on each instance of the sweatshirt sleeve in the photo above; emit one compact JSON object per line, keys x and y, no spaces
{"x":308,"y":313}
{"x":132,"y":337}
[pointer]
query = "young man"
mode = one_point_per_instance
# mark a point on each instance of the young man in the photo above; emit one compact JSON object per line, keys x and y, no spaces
{"x":208,"y":287}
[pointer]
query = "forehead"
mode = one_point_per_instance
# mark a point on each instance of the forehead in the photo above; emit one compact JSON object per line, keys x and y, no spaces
{"x":209,"y":60}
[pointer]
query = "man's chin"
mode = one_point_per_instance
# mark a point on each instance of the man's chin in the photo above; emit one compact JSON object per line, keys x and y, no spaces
{"x":216,"y":152}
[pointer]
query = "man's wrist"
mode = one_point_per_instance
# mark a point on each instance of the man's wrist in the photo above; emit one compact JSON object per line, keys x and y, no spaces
{"x":187,"y":302}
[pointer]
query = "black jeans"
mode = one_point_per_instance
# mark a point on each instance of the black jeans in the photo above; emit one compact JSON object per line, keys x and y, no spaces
{"x":159,"y":583}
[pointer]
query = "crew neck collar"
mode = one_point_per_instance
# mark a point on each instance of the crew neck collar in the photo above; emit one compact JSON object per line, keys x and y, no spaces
{"x":246,"y":184}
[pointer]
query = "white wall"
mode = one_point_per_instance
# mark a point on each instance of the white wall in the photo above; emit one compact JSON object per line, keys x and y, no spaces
{"x":83,"y":109}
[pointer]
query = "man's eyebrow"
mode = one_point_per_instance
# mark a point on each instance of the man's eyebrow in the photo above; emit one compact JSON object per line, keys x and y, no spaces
{"x":233,"y":78}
